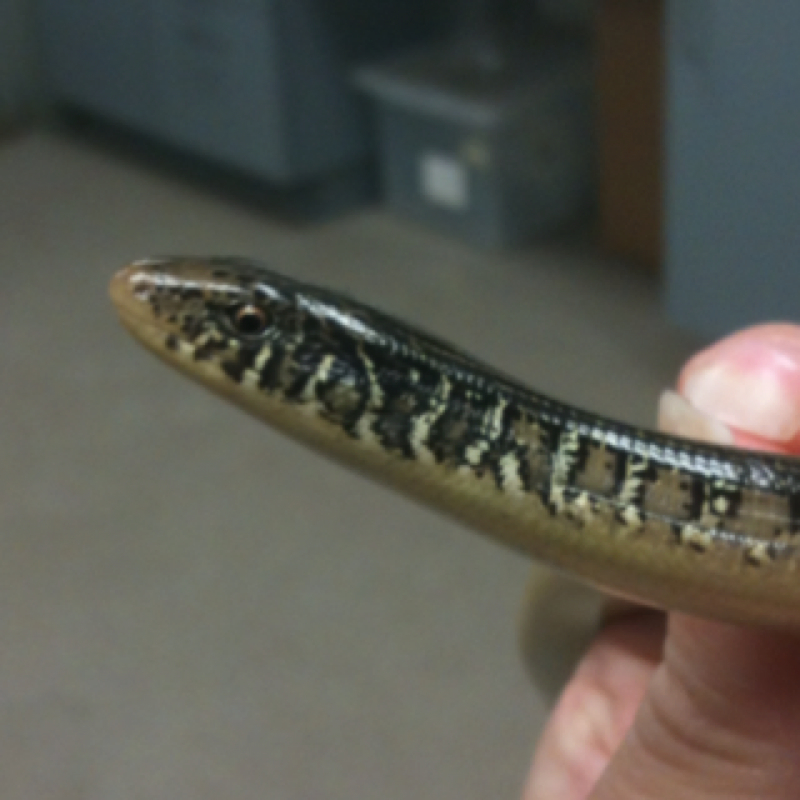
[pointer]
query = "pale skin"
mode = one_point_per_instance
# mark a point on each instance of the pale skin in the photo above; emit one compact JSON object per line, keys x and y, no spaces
{"x":665,"y":706}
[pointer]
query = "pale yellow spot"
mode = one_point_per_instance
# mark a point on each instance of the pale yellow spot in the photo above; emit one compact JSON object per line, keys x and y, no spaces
{"x":631,"y":516}
{"x":509,"y":474}
{"x":696,"y":537}
{"x":422,"y":425}
{"x":583,"y":505}
{"x":474,"y":453}
{"x":758,"y":554}
{"x":492,"y":426}
{"x":375,"y":391}
{"x":186,"y":349}
{"x":263,"y":357}
{"x":320,"y":376}
{"x":250,"y":379}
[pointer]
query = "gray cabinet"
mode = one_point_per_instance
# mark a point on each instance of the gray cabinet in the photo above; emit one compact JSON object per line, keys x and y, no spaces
{"x":99,"y":55}
{"x":220,"y":84}
{"x":733,"y":163}
{"x":261,"y":85}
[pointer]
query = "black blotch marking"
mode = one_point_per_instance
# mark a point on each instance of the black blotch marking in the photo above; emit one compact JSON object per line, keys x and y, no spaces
{"x":449,"y":437}
{"x":203,"y":353}
{"x":524,"y":468}
{"x":456,"y":428}
{"x":794,"y":511}
{"x":246,"y":355}
{"x":190,"y":327}
{"x":394,"y":433}
{"x":493,"y":463}
{"x":697,"y":496}
{"x":751,"y":560}
{"x":349,"y":413}
{"x":404,"y":401}
{"x":305,"y":363}
{"x":171,"y":342}
{"x":234,"y":370}
{"x":620,"y":467}
{"x":676,"y":529}
{"x":402,"y":404}
{"x":550,"y":429}
{"x":547,"y":502}
{"x":579,"y":456}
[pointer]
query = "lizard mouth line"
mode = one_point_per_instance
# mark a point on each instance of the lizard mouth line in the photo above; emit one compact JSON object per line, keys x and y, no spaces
{"x":129,"y":294}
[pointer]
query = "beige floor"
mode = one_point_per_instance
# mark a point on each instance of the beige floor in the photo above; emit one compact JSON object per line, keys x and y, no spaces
{"x":191,"y":607}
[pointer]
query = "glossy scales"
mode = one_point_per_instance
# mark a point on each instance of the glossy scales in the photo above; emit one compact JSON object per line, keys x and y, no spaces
{"x":665,"y":521}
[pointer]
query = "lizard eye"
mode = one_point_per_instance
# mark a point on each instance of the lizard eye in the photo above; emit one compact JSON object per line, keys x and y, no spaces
{"x":250,"y":320}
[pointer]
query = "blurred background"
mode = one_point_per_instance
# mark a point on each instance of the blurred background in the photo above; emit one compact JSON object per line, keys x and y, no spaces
{"x":580,"y":192}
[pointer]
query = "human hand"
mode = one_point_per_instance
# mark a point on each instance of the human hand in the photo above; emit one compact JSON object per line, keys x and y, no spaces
{"x":670,"y":706}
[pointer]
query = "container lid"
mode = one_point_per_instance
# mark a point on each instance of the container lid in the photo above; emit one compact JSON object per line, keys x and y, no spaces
{"x":474,"y":85}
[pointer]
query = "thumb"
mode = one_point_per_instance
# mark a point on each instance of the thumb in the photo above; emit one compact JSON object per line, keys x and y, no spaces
{"x":719,"y":720}
{"x":721,"y":717}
